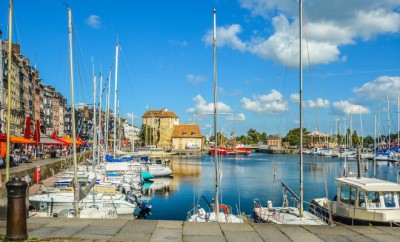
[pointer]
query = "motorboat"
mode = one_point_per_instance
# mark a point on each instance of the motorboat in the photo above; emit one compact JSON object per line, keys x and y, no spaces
{"x":361,"y":201}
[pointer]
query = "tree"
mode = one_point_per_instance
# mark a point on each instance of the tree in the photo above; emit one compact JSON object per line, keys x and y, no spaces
{"x":142,"y":134}
{"x":368,"y":141}
{"x":355,"y":140}
{"x":293,"y":136}
{"x":253,"y":136}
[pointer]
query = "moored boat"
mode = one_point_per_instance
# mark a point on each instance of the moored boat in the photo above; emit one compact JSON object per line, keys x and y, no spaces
{"x":361,"y":201}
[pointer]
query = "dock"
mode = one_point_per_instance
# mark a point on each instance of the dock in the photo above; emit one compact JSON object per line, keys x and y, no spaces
{"x":72,"y":229}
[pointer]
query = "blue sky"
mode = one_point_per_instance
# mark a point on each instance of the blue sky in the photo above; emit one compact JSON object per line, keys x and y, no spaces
{"x":166,"y":59}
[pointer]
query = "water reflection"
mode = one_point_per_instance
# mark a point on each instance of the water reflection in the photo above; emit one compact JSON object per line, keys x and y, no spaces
{"x":245,"y":178}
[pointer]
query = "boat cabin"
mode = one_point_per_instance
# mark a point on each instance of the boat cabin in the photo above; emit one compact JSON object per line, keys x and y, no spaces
{"x":368,"y":193}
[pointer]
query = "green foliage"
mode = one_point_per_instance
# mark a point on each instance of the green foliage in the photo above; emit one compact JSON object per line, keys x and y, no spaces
{"x":355,"y":140}
{"x":293,"y":136}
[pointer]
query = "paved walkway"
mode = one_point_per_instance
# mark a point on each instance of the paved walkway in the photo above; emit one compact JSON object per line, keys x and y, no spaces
{"x":63,"y":229}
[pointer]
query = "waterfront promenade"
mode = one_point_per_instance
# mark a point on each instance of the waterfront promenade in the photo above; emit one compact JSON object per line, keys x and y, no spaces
{"x":63,"y":229}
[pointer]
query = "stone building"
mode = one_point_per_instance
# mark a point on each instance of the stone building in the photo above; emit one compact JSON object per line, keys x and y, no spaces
{"x":186,"y":136}
{"x":19,"y":96}
{"x":274,"y":141}
{"x":159,"y":125}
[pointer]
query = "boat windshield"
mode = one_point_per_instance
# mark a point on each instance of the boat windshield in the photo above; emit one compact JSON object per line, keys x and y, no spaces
{"x":373,"y":200}
{"x":389,"y":198}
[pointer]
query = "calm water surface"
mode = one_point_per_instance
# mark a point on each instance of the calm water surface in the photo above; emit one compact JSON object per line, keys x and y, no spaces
{"x":245,"y":178}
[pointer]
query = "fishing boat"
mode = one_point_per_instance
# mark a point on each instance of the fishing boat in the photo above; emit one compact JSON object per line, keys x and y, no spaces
{"x":290,"y":214}
{"x":361,"y":201}
{"x":217,"y":212}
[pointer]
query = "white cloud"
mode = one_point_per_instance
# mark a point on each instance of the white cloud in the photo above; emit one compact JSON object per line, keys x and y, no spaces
{"x":238,"y":117}
{"x":93,"y":21}
{"x":380,"y":88}
{"x":319,"y":102}
{"x":203,"y":108}
{"x":347,"y":108}
{"x":227,"y":36}
{"x":191,"y":78}
{"x":272,"y":103}
{"x":328,"y":27}
{"x":130,"y":116}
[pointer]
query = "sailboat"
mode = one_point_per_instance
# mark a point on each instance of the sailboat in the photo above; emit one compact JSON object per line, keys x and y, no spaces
{"x":219,"y":212}
{"x":287,"y":214}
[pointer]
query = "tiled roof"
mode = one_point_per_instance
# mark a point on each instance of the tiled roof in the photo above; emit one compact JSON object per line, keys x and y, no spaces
{"x":163,"y":113}
{"x":186,"y":131}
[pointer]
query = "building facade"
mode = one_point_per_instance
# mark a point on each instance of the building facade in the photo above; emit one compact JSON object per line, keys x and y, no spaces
{"x":159,"y":125}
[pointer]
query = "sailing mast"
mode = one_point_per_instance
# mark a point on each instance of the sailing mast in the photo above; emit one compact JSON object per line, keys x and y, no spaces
{"x":216,"y":162}
{"x":388,"y":122}
{"x":398,"y":125}
{"x":9,"y":56}
{"x":107,"y":111}
{"x":94,"y":128}
{"x":76,"y":184}
{"x":100,"y":112}
{"x":301,"y":104}
{"x":115,"y":98}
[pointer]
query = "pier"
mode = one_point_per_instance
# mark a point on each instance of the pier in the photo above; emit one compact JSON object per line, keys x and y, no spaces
{"x":64,"y":229}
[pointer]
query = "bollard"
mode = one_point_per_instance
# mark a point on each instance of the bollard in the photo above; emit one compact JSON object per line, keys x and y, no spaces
{"x":16,"y":211}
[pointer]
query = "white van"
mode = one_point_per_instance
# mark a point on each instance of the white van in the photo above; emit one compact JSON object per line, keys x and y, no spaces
{"x":192,"y":146}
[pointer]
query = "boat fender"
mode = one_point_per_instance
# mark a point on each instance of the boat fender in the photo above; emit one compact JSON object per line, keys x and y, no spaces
{"x":224,"y":208}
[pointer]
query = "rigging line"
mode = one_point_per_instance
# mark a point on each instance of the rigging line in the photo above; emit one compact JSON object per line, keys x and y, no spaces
{"x":80,"y":67}
{"x":311,"y":77}
{"x":129,"y":75}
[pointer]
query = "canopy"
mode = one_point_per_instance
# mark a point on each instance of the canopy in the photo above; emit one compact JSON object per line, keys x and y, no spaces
{"x":316,"y":133}
{"x":70,"y":140}
{"x":64,"y":143}
{"x":20,"y":140}
{"x":49,"y":141}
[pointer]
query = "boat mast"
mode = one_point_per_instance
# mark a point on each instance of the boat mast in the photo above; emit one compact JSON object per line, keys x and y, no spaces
{"x":76,"y":184}
{"x":133,"y":137}
{"x":9,"y":64}
{"x":115,"y":97}
{"x":301,"y":104}
{"x":216,"y":162}
{"x":107,"y":111}
{"x":388,"y":122}
{"x":398,"y":125}
{"x":375,"y":148}
{"x":100,"y":112}
{"x":95,"y":160}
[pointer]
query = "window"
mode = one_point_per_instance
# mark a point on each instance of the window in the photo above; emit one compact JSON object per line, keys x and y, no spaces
{"x":344,"y":193}
{"x":389,"y":199}
{"x":353,"y":195}
{"x":361,"y":200}
{"x":373,"y":200}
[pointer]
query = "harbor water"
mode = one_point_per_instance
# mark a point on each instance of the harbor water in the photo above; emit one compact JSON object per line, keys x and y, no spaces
{"x":245,"y":178}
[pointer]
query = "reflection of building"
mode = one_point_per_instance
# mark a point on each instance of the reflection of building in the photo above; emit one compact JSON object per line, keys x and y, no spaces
{"x":183,"y":168}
